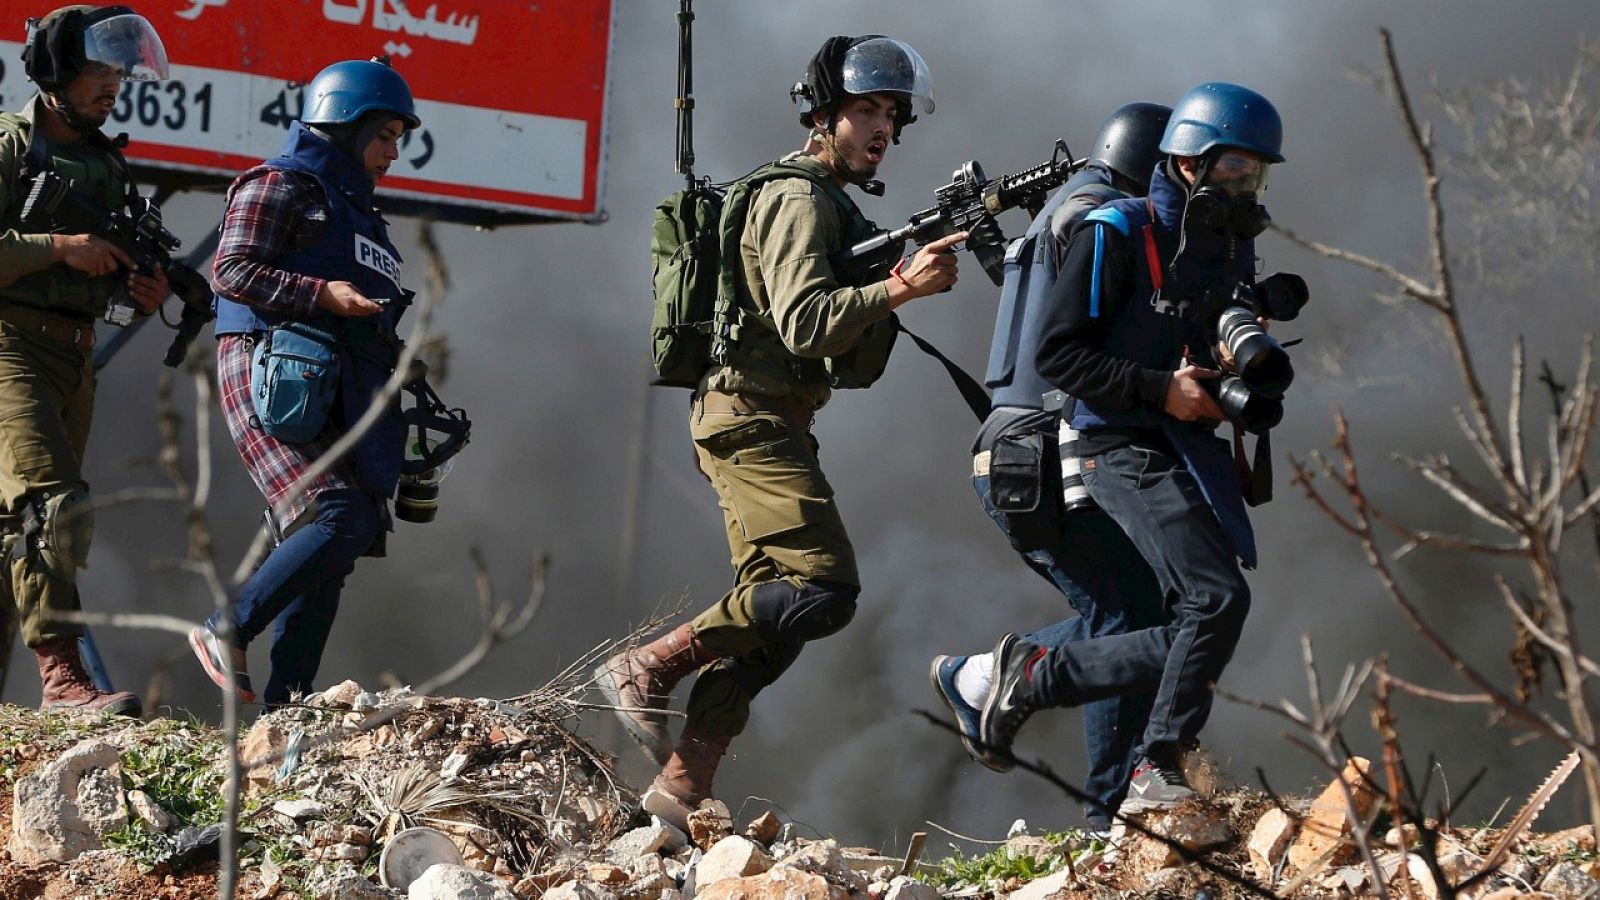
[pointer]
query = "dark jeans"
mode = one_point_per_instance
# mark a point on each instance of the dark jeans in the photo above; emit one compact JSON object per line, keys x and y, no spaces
{"x":298,"y":585}
{"x":1106,"y":582}
{"x":1158,"y":504}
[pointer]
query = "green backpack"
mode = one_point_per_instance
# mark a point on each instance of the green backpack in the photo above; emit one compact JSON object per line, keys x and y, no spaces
{"x":696,"y":316}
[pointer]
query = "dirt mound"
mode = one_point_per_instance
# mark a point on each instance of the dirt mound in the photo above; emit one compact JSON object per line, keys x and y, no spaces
{"x":529,"y":810}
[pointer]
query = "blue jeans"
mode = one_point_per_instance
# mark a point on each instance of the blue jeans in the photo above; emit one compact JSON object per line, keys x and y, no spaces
{"x":298,"y":586}
{"x":1112,"y":590}
{"x":1150,"y":494}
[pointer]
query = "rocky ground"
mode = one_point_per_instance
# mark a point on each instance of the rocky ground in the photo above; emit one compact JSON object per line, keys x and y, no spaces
{"x":110,"y":808}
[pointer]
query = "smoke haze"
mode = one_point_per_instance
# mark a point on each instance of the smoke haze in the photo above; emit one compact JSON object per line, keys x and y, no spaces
{"x":548,"y":330}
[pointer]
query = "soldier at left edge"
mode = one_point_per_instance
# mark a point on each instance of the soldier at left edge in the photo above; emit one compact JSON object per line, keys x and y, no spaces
{"x":53,"y":287}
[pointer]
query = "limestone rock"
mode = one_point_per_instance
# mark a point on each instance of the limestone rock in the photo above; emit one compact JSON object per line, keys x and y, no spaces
{"x":340,"y":696}
{"x":1328,"y":821}
{"x":329,"y":834}
{"x":650,"y":887}
{"x":826,"y":859}
{"x":639,"y":841}
{"x":263,"y":739}
{"x":1268,"y":840}
{"x":447,"y":882}
{"x":731,"y":857}
{"x":646,"y":865}
{"x":1457,"y":867}
{"x":1197,"y":829}
{"x":1041,"y":888}
{"x":871,"y":863}
{"x":764,"y":828}
{"x":68,"y":807}
{"x":348,"y":884}
{"x":352,"y":853}
{"x":903,"y":888}
{"x":149,"y":812}
{"x":543,"y":882}
{"x":1580,"y":838}
{"x":607,"y":874}
{"x":574,"y":890}
{"x":1029,"y":846}
{"x":781,"y":883}
{"x":298,"y":809}
{"x":1170,"y":882}
{"x":1568,"y":881}
{"x":710,"y":824}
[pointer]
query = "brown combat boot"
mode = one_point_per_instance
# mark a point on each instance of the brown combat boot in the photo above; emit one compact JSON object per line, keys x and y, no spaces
{"x":685,"y":779}
{"x":639,"y":683}
{"x":65,"y":685}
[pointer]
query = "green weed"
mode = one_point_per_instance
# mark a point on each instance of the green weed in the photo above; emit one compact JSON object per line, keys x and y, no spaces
{"x":1001,"y":864}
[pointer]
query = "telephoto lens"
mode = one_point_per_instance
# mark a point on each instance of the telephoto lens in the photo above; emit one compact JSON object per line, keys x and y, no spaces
{"x":1249,"y":409}
{"x":1074,"y":496}
{"x":1257,"y":356}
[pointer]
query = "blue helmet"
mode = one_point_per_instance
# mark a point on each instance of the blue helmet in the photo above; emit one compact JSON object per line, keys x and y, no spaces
{"x":1218,"y":114}
{"x":345,"y":91}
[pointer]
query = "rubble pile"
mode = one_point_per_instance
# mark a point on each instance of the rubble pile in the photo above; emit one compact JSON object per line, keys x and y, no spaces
{"x":457,"y":799}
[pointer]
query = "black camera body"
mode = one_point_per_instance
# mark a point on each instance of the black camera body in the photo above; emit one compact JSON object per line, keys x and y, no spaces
{"x":1253,"y":398}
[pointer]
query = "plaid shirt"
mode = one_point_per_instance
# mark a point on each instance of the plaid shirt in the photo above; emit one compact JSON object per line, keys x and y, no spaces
{"x":270,"y":212}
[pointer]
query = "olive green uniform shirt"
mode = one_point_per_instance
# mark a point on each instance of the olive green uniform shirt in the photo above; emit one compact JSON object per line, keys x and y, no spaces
{"x":791,"y":229}
{"x":20,"y":254}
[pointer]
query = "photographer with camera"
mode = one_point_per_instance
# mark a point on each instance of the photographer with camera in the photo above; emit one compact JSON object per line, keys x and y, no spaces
{"x":308,"y":300}
{"x":1017,"y":472}
{"x":1133,"y":338}
{"x":53,"y":287}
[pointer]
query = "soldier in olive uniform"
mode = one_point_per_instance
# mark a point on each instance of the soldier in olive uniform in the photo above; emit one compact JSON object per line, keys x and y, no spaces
{"x":52,"y":289}
{"x":798,"y":330}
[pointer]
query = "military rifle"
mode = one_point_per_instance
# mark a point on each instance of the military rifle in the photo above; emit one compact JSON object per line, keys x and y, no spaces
{"x":53,"y":206}
{"x":970,"y":203}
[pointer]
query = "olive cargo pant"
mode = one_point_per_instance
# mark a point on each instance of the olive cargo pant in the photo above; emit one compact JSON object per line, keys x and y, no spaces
{"x":46,"y":402}
{"x":794,"y":569}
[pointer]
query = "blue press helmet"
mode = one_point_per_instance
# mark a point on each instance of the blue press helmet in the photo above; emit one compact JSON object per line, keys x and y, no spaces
{"x":1218,"y":114}
{"x":345,"y":91}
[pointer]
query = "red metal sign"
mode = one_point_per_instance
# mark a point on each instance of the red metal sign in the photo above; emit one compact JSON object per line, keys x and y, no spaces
{"x":512,"y":95}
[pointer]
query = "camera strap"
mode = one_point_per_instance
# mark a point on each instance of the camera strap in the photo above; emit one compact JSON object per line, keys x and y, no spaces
{"x":1255,"y":480}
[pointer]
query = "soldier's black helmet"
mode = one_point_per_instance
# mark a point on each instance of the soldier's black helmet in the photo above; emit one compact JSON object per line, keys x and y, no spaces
{"x":867,"y":64}
{"x":63,"y":41}
{"x":1129,"y":143}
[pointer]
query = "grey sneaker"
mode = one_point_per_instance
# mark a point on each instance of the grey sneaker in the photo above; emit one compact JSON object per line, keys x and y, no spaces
{"x":1154,"y":787}
{"x":1010,"y":699}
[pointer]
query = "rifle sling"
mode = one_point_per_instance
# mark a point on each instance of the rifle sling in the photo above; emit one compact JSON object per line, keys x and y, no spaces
{"x":972,"y":392}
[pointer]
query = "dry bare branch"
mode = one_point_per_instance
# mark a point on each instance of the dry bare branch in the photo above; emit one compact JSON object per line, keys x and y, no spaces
{"x":1410,"y":286}
{"x":501,"y":622}
{"x":1438,"y":472}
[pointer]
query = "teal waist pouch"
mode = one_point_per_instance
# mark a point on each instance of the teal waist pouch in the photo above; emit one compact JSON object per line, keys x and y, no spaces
{"x":294,"y":380}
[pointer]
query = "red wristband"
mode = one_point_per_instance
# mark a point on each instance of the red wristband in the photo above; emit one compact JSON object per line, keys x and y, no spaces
{"x":896,"y":272}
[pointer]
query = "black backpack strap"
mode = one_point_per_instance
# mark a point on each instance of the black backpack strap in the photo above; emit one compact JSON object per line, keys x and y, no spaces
{"x":971,"y":391}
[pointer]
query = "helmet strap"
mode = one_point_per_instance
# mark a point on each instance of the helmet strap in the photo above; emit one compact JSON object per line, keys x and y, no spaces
{"x":57,"y":101}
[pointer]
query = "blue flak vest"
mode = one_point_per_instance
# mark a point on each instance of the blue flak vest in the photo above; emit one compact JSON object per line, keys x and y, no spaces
{"x":1032,"y":266}
{"x":1150,"y":328}
{"x":354,"y":247}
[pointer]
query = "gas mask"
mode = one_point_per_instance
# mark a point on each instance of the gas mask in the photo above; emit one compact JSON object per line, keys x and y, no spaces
{"x":1224,"y":202}
{"x":435,"y":433}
